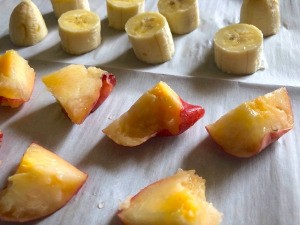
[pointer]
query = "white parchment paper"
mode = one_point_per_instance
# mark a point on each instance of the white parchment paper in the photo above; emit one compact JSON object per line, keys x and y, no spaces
{"x":263,"y":190}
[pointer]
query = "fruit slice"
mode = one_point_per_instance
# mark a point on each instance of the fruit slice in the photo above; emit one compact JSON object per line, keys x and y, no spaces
{"x":80,"y":90}
{"x":16,"y":79}
{"x":263,"y":14}
{"x":177,"y":200}
{"x":79,"y":31}
{"x":238,"y":49}
{"x":159,"y":111}
{"x":26,"y":25}
{"x":150,"y":37}
{"x":182,"y":16}
{"x":62,"y":6}
{"x":42,"y":184}
{"x":120,"y":11}
{"x":252,"y":126}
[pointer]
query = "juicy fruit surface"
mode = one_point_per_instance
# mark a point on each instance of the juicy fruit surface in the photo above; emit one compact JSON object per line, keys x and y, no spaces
{"x":16,"y":79}
{"x":157,"y":109}
{"x":238,"y":37}
{"x":76,"y":88}
{"x":145,"y":24}
{"x":78,"y":20}
{"x":42,"y":184}
{"x":242,"y":131}
{"x":177,"y":200}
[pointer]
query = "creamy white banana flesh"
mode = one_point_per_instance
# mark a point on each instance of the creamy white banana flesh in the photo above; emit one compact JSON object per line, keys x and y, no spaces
{"x":79,"y":31}
{"x":62,"y":6}
{"x":120,"y":11}
{"x":238,"y":49}
{"x":182,"y":15}
{"x":150,"y":37}
{"x":264,"y":14}
{"x":27,"y":25}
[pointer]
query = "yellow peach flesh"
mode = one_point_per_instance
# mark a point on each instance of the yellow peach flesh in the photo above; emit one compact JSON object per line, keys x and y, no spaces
{"x":178,"y":200}
{"x":42,"y":184}
{"x":242,"y":131}
{"x":76,"y":88}
{"x":157,"y":109}
{"x":16,"y":79}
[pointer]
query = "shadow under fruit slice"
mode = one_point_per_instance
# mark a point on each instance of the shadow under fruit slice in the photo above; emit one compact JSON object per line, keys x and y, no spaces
{"x":42,"y":184}
{"x":159,"y":111}
{"x":80,"y":90}
{"x":253,"y":125}
{"x":177,"y":200}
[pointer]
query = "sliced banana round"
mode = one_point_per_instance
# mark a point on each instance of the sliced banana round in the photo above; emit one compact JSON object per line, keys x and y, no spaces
{"x":27,"y":25}
{"x":120,"y":11}
{"x":79,"y":31}
{"x":62,"y":6}
{"x":150,"y":37}
{"x":263,"y":14}
{"x":238,"y":49}
{"x":182,"y":15}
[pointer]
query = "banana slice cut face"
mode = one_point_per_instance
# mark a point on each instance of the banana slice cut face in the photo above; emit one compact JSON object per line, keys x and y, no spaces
{"x":182,"y":15}
{"x":80,"y":31}
{"x":238,"y":49}
{"x":150,"y":37}
{"x":264,"y":14}
{"x":62,"y":6}
{"x":120,"y":11}
{"x":26,"y":25}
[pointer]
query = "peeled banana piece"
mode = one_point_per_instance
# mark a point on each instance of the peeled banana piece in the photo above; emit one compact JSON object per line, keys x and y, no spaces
{"x":79,"y":31}
{"x":62,"y":6}
{"x":182,"y":15}
{"x":264,"y":14}
{"x":150,"y":37}
{"x":26,"y":25}
{"x":120,"y":11}
{"x":238,"y":49}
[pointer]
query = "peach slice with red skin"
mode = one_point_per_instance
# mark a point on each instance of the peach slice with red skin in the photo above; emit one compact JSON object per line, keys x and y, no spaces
{"x":42,"y":184}
{"x":252,"y":126}
{"x":177,"y":200}
{"x":159,"y":111}
{"x":1,"y":136}
{"x":80,"y":90}
{"x":16,"y":79}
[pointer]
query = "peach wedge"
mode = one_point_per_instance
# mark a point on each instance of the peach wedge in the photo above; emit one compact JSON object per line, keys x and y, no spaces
{"x":16,"y":79}
{"x":249,"y":128}
{"x":80,"y":90}
{"x":177,"y":200}
{"x":159,"y":111}
{"x":42,"y":184}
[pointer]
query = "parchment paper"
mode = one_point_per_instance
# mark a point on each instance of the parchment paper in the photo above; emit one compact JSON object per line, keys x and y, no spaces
{"x":260,"y":190}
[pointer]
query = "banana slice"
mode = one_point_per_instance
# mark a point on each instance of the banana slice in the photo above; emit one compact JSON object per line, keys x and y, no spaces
{"x":79,"y":31}
{"x":120,"y":11}
{"x":150,"y":37}
{"x":238,"y":49}
{"x":26,"y":25}
{"x":62,"y":6}
{"x":263,"y":14}
{"x":182,"y":15}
